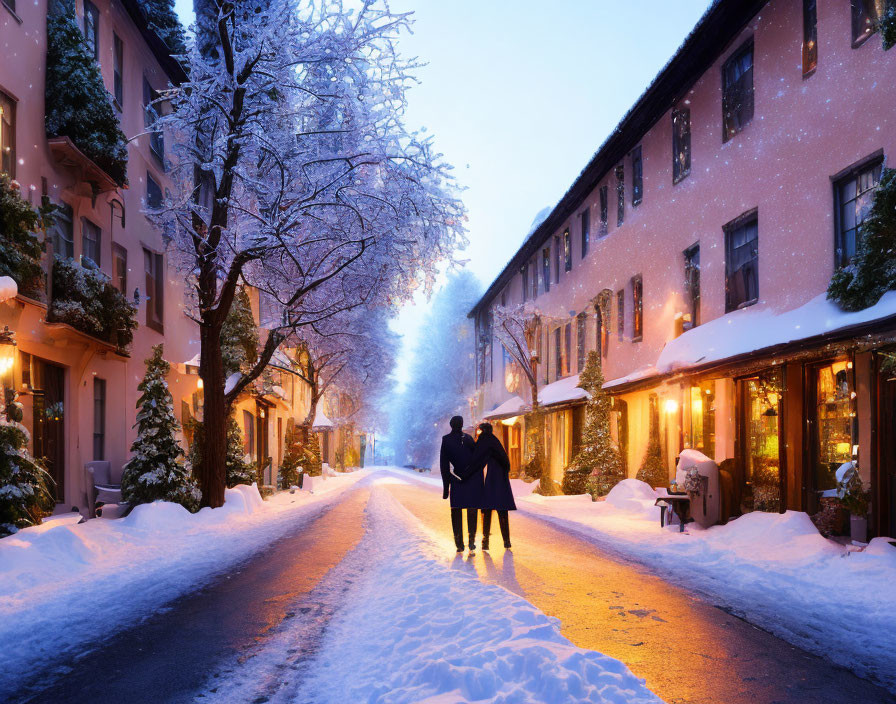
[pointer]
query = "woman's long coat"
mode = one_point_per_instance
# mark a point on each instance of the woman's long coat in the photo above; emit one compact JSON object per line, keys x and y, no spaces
{"x":490,"y":454}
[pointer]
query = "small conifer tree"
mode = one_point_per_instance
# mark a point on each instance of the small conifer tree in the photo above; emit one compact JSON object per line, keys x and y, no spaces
{"x":872,"y":272}
{"x":156,"y":470}
{"x":77,"y":102}
{"x":239,"y":335}
{"x":597,"y":467}
{"x":653,"y":470}
{"x":238,"y":471}
{"x":25,"y":486}
{"x":20,"y":248}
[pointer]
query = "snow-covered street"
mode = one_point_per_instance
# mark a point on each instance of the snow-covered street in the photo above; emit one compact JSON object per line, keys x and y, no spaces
{"x":357,"y":594}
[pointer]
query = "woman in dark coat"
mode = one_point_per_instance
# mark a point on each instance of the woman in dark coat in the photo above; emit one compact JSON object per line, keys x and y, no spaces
{"x":490,"y":454}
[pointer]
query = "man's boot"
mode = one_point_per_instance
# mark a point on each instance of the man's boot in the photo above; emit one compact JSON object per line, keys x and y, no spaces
{"x":486,"y":528}
{"x":504,"y":523}
{"x":472,"y":520}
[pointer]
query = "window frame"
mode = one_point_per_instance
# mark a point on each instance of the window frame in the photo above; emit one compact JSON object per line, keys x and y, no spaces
{"x":93,"y":12}
{"x":86,"y":224}
{"x":557,"y":259}
{"x":620,"y":314}
{"x":581,"y":342}
{"x":838,"y":180}
{"x":692,"y":297}
{"x":64,"y":215}
{"x":620,"y":194}
{"x":681,"y":139}
{"x":12,"y":106}
{"x":150,"y":115}
{"x":567,"y":251}
{"x":154,"y":280}
{"x":729,"y":129}
{"x":558,"y":354}
{"x":118,"y":71}
{"x":120,"y":268}
{"x":546,"y":268}
{"x":604,"y":195}
{"x":637,"y":176}
{"x":567,"y":349}
{"x":151,"y":201}
{"x":809,"y":48}
{"x":524,"y":281}
{"x":729,"y":229}
{"x":637,"y":286}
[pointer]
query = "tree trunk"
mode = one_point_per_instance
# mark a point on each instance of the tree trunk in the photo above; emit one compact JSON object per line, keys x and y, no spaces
{"x":212,"y":470}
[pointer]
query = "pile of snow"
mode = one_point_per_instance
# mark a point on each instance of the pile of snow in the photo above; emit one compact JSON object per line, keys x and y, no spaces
{"x":521,"y":488}
{"x":513,"y":406}
{"x":773,"y":569}
{"x":8,"y":288}
{"x":417,"y":630}
{"x":64,"y":584}
{"x":562,"y":391}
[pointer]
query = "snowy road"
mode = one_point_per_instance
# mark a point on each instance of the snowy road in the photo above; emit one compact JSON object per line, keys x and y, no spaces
{"x":366,"y":601}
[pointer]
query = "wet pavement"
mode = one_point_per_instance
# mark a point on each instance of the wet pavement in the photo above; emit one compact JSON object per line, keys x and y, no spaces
{"x":688,"y":651}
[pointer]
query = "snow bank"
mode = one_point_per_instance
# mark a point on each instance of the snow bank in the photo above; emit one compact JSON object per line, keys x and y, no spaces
{"x":772,"y":569}
{"x":417,"y":630}
{"x":63,"y":585}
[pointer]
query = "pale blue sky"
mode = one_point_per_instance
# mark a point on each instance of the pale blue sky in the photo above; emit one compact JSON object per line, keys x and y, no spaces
{"x":519,"y":94}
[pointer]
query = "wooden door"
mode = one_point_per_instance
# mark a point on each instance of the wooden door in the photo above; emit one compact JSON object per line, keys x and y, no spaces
{"x":48,"y":381}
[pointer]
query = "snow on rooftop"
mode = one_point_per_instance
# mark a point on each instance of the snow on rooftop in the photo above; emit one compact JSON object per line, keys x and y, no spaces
{"x":561,"y":391}
{"x":511,"y":407}
{"x":321,"y":420}
{"x":750,"y":330}
{"x":540,"y":217}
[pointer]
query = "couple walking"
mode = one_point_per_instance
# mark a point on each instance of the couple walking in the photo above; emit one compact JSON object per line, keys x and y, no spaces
{"x":475,"y":474}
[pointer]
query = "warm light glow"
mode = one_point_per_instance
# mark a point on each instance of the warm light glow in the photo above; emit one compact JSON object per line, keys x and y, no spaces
{"x":773,"y":398}
{"x":671,"y":405}
{"x":697,"y":405}
{"x":849,"y":365}
{"x":199,"y":385}
{"x":510,"y":421}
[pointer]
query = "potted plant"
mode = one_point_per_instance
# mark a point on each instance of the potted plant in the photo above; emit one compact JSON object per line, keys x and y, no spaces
{"x":855,"y":498}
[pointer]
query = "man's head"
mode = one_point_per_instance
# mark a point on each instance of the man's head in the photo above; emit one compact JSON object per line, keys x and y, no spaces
{"x":456,"y":423}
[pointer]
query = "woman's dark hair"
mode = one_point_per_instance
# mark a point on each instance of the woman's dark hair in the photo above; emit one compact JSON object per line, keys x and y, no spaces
{"x":485,"y":427}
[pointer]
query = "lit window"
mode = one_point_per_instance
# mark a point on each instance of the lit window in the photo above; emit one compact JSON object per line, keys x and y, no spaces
{"x":637,"y":308}
{"x":810,"y":36}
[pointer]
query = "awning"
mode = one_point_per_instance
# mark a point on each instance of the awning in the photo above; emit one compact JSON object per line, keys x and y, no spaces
{"x":513,"y":406}
{"x":754,"y":332}
{"x":562,"y":391}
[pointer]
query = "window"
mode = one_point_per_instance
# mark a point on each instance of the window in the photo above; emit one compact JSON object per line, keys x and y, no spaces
{"x":556,"y":259}
{"x":585,"y":219}
{"x":533,"y":269}
{"x":546,"y":268}
{"x":567,"y":251}
{"x":558,"y":354}
{"x":637,"y":176}
{"x":524,"y":277}
{"x":91,"y":241}
{"x":153,"y":192}
{"x":602,"y":330}
{"x":150,"y":115}
{"x":742,"y":262}
{"x":620,"y":314}
{"x":637,"y":308}
{"x":810,"y":37}
{"x":7,"y":135}
{"x":154,"y":290}
{"x":737,"y":91}
{"x":567,"y":347}
{"x":120,"y":268}
{"x":99,"y":419}
{"x":64,"y":232}
{"x":248,"y":434}
{"x":118,"y":70}
{"x":581,"y":319}
{"x":620,"y":194}
{"x":681,"y":144}
{"x":92,"y":29}
{"x":692,"y":285}
{"x":866,"y":16}
{"x":853,"y":196}
{"x":604,"y":212}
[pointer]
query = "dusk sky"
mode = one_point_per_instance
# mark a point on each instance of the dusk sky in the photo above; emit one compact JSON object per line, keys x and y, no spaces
{"x":518,"y":96}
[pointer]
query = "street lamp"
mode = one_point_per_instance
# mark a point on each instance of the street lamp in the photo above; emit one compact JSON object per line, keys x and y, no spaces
{"x":7,"y":362}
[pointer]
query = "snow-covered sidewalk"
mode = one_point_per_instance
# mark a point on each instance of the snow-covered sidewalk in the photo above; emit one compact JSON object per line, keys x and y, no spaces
{"x":63,"y":586}
{"x":414,"y":628}
{"x":774,"y":570}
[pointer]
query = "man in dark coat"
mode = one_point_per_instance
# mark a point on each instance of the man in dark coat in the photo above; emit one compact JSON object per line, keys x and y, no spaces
{"x":455,"y":456}
{"x":498,"y":495}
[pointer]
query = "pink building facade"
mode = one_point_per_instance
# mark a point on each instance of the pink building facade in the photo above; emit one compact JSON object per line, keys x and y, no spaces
{"x":694,"y":251}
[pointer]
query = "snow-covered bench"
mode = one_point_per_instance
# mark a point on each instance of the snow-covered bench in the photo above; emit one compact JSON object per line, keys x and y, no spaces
{"x":103,"y":485}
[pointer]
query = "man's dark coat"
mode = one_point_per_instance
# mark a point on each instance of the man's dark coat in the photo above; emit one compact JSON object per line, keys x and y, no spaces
{"x":457,"y":451}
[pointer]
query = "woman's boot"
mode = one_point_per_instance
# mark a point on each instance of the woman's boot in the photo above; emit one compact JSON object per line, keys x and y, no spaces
{"x":504,"y":522}
{"x":486,"y":527}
